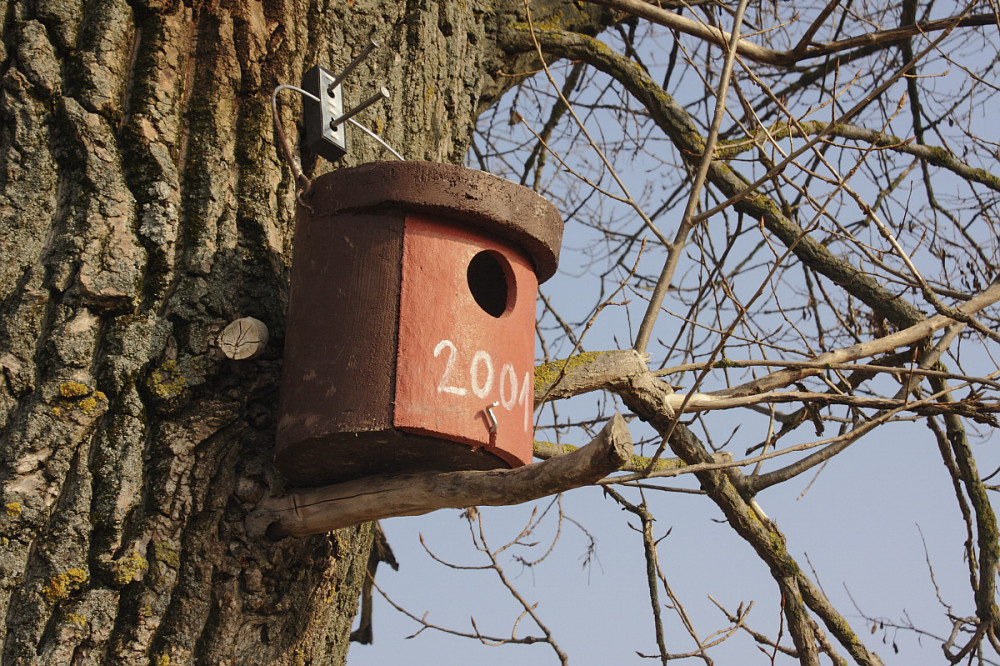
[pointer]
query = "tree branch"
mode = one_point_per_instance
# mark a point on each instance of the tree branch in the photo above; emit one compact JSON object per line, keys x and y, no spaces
{"x":801,"y":52}
{"x":677,"y":124}
{"x":907,"y":336}
{"x":587,"y":372}
{"x":321,"y":509}
{"x":687,"y":223}
{"x":934,"y":155}
{"x":762,"y":534}
{"x":613,"y":370}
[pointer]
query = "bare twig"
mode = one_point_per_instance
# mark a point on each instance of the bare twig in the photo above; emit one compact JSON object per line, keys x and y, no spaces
{"x":675,"y":248}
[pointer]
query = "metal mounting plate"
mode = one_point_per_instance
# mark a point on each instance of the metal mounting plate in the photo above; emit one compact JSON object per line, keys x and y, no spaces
{"x":330,"y":144}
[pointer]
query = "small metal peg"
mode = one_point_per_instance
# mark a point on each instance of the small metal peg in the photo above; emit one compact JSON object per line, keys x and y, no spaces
{"x":492,"y":418}
{"x":372,"y":45}
{"x":383,"y":93}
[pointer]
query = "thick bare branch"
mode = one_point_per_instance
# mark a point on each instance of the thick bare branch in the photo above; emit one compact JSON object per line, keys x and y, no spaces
{"x":769,"y":56}
{"x":761,"y":533}
{"x":590,"y":371}
{"x":613,"y":370}
{"x":934,"y":155}
{"x":987,"y":536}
{"x":907,"y":336}
{"x":322,"y":509}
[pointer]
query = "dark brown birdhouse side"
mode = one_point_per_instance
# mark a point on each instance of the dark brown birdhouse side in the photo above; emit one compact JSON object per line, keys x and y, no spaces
{"x":410,"y":334}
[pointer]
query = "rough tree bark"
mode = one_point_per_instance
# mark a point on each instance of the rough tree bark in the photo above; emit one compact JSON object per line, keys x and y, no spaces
{"x":144,"y":205}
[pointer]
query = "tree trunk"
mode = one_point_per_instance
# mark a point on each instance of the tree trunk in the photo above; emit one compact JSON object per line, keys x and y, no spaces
{"x":144,"y":206}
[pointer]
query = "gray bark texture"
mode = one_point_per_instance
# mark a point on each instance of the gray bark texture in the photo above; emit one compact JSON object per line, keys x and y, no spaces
{"x":145,"y":205}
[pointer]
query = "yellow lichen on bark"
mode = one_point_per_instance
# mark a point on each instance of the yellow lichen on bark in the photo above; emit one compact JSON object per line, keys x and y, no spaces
{"x":130,"y":567}
{"x":60,"y":587}
{"x":167,"y":381}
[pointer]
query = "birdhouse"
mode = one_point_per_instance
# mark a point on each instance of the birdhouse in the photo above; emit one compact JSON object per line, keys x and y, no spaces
{"x":410,"y":333}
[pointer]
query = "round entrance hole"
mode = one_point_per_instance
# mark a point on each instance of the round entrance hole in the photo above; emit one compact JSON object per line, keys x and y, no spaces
{"x":489,"y":282}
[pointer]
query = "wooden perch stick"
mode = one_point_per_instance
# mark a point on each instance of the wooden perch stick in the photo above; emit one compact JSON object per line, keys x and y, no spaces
{"x":317,"y":510}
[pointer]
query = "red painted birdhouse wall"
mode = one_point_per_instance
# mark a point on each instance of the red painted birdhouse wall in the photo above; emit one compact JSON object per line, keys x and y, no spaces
{"x":465,"y":369}
{"x":410,"y":334}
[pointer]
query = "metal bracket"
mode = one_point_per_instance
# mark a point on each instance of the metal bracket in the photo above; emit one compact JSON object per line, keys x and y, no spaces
{"x":325,"y":120}
{"x":323,"y":138}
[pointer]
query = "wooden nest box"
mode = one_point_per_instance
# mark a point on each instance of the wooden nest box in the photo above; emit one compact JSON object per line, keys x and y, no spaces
{"x":410,"y":335}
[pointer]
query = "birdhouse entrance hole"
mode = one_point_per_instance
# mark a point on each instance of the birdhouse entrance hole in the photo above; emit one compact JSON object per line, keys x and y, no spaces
{"x":489,"y":282}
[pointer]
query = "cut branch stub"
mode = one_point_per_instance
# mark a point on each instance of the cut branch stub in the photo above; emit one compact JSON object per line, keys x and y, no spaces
{"x":318,"y":510}
{"x":243,"y":339}
{"x":587,"y":372}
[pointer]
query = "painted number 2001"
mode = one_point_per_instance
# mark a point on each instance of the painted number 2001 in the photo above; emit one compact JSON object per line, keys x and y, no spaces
{"x":482,"y":380}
